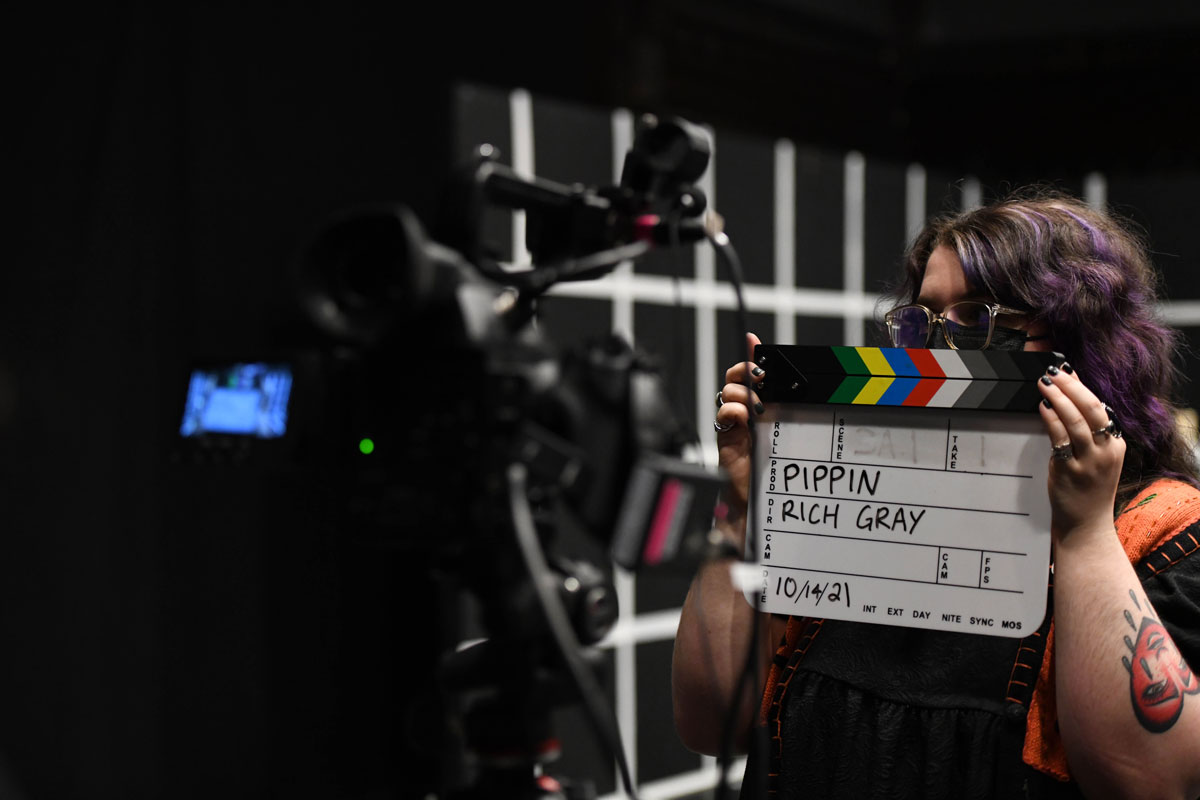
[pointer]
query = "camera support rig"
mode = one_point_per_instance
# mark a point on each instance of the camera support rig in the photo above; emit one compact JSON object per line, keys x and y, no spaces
{"x":542,"y":440}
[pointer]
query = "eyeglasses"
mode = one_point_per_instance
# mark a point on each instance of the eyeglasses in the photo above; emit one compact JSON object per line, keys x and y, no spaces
{"x":966,"y":325}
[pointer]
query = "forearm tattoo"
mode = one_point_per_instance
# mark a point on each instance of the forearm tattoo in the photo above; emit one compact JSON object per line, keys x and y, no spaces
{"x":1159,"y":677}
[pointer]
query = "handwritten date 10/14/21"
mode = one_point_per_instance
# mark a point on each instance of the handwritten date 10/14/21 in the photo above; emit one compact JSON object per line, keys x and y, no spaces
{"x":817,"y":591}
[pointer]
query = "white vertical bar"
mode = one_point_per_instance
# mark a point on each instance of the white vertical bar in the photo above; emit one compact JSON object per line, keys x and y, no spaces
{"x":972,"y":193}
{"x":622,"y":309}
{"x":520,"y":110}
{"x":915,"y":182}
{"x":706,"y":314}
{"x":625,"y":657}
{"x":625,"y":582}
{"x":853,"y":246}
{"x":1095,"y":190}
{"x":785,"y":239}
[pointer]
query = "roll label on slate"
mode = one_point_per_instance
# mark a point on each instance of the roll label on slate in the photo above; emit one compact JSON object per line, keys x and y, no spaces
{"x":902,"y":487}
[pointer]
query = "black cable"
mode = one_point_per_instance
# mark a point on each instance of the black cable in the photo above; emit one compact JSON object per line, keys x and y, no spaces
{"x":560,"y":625}
{"x":751,"y":667}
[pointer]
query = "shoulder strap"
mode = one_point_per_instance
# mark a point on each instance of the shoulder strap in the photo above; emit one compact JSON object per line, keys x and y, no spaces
{"x":793,"y":645}
{"x":796,"y":626}
{"x":1162,"y":510}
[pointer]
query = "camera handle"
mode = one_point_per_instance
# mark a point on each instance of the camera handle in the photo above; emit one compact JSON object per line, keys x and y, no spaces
{"x":509,"y":683}
{"x":656,"y":203}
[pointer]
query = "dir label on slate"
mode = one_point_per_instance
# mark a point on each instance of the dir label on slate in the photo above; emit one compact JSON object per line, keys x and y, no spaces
{"x":920,"y":517}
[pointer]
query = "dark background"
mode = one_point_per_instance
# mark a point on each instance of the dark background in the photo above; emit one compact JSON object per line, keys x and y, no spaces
{"x":174,"y":630}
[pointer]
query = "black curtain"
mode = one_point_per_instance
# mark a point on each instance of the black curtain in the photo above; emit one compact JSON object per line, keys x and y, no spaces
{"x":172,"y":629}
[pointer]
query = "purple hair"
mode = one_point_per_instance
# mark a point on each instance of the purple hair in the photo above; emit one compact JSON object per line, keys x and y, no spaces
{"x":1087,"y":276}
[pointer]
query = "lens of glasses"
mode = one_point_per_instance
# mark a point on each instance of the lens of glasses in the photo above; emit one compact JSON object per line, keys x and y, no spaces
{"x":909,"y":326}
{"x":968,"y":324}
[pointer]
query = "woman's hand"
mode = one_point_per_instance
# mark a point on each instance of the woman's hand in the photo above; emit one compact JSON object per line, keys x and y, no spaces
{"x":1083,"y":486}
{"x":717,"y":627}
{"x":733,"y":445}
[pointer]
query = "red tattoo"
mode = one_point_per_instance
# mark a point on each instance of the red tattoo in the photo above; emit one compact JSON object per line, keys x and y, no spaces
{"x":1159,"y":678}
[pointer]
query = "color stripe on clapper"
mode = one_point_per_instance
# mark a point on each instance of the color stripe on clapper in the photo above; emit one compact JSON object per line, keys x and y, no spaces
{"x":890,"y":376}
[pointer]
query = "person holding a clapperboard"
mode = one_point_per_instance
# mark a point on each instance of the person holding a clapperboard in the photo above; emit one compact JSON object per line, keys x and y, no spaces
{"x":1102,"y":699}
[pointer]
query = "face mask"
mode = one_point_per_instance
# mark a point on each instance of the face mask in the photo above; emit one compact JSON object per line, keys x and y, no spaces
{"x":1002,"y":339}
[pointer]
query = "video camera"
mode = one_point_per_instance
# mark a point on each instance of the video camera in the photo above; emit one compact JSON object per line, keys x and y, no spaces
{"x":448,"y":427}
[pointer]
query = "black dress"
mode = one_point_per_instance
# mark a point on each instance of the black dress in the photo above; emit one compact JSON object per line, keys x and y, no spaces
{"x":873,"y":711}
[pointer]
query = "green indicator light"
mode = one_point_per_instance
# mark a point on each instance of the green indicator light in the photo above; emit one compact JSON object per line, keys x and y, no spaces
{"x":366,"y":447}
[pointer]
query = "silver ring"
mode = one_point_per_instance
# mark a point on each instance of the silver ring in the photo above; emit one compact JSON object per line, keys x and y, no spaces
{"x":1111,"y":428}
{"x":1063,"y":452}
{"x":722,"y":428}
{"x":720,"y":399}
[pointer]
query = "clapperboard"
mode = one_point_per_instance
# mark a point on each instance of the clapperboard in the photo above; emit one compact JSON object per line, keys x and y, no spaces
{"x":902,"y":487}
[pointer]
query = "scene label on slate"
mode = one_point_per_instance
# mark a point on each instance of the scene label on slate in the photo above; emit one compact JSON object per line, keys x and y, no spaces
{"x":902,"y":487}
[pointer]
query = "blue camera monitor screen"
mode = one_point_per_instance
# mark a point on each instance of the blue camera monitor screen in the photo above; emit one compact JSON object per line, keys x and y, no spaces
{"x":238,"y":399}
